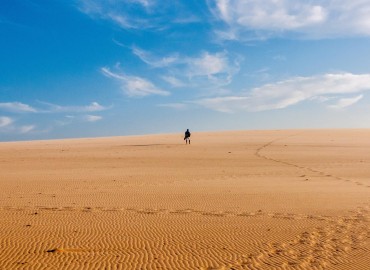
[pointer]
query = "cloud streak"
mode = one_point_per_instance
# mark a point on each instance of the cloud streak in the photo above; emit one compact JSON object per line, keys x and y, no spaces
{"x":208,"y":64}
{"x":54,"y":108}
{"x":346,"y":102}
{"x":26,"y":129}
{"x":286,"y":93}
{"x":173,"y":81}
{"x":105,"y":10}
{"x":310,"y":19}
{"x":93,"y":118}
{"x":133,"y":85}
{"x":176,"y":106}
{"x":17,"y":107}
{"x":212,"y":69}
{"x":5,"y":121}
{"x":155,"y":61}
{"x":7,"y":125}
{"x":139,"y":14}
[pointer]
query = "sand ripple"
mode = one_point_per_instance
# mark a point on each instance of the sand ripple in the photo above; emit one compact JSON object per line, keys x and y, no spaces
{"x":243,"y":200}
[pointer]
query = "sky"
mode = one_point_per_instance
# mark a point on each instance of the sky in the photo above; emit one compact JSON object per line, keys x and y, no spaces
{"x":91,"y":68}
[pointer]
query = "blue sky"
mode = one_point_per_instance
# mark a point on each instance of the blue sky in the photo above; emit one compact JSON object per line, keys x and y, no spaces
{"x":87,"y":68}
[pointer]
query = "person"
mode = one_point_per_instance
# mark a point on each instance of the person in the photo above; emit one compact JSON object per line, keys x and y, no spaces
{"x":187,"y":136}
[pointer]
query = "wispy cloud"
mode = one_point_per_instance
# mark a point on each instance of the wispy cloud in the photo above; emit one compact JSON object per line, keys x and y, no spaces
{"x":105,"y":10}
{"x":215,"y":67}
{"x":54,"y":108}
{"x":155,"y":61}
{"x":177,"y":106}
{"x":173,"y":81}
{"x":93,"y":118}
{"x":187,"y":20}
{"x":95,"y":107}
{"x":5,"y":121}
{"x":17,"y":107}
{"x":280,"y":58}
{"x":8,"y":125}
{"x":134,"y":86}
{"x":346,"y":102}
{"x":26,"y":129}
{"x":138,"y":14}
{"x":144,"y":3}
{"x":290,"y":92}
{"x":211,"y":69}
{"x":73,"y":119}
{"x":205,"y":64}
{"x":310,"y":19}
{"x":227,"y":104}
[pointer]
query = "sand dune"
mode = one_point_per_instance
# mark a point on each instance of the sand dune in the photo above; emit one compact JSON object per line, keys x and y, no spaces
{"x":294,"y":199}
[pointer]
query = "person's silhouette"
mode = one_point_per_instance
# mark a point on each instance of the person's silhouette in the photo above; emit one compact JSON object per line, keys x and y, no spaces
{"x":187,"y":136}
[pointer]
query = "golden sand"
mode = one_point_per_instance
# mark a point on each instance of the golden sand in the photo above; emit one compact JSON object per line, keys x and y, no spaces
{"x":295,"y":199}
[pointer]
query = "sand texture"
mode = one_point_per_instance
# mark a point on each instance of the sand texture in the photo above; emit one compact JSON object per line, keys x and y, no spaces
{"x":293,"y":199}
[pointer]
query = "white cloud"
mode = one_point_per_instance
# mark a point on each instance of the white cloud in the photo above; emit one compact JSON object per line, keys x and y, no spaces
{"x":227,"y":104}
{"x":207,"y":69}
{"x":135,"y":86}
{"x":208,"y":64}
{"x":315,"y":19}
{"x":17,"y":107}
{"x":5,"y":121}
{"x":94,"y":107}
{"x":140,"y":14}
{"x":93,"y":118}
{"x":211,"y":70}
{"x":280,"y":58}
{"x":154,"y":61}
{"x":54,"y":108}
{"x":322,"y":99}
{"x":177,"y":106}
{"x":7,"y":125}
{"x":187,"y":20}
{"x":346,"y":102}
{"x":70,"y":119}
{"x":26,"y":129}
{"x":290,"y":92}
{"x":144,"y":3}
{"x":223,"y":7}
{"x":173,"y":81}
{"x":109,"y":10}
{"x":121,"y":20}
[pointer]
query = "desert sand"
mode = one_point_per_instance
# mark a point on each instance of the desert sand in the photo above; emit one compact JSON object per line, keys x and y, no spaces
{"x":289,"y":199}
